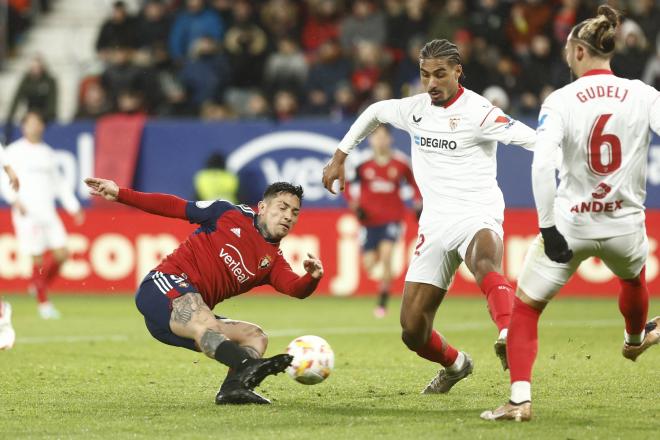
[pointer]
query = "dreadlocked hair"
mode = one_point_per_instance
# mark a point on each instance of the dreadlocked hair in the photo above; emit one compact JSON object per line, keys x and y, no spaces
{"x":598,"y":33}
{"x":441,"y":49}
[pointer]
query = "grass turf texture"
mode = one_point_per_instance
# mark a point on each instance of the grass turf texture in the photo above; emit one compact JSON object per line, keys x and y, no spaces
{"x":98,"y":374}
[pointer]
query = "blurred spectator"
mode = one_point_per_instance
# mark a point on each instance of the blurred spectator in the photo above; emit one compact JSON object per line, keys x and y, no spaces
{"x":402,"y":27}
{"x":368,"y":70}
{"x":498,"y":97}
{"x":381,"y":92}
{"x":194,"y":22}
{"x":285,"y":105}
{"x":527,"y":19}
{"x":257,"y":107}
{"x":321,"y":24}
{"x":246,"y":45}
{"x":475,"y":73}
{"x":365,"y":24}
{"x":651,"y":75}
{"x":93,"y":102}
{"x":281,"y":18}
{"x":215,"y":182}
{"x":153,"y":25}
{"x":37,"y":91}
{"x":345,"y":103}
{"x":329,"y":70}
{"x":486,"y":22}
{"x":286,"y":68}
{"x":123,"y":74}
{"x":171,"y":98}
{"x":536,"y":72}
{"x":448,"y":20}
{"x":130,"y":101}
{"x":206,"y":73}
{"x":568,"y":15}
{"x":224,"y":10}
{"x":647,"y":14}
{"x":407,"y":73}
{"x":118,"y":30}
{"x":632,"y":53}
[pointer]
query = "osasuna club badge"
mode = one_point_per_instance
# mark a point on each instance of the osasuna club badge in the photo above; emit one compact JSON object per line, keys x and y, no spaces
{"x":265,"y":262}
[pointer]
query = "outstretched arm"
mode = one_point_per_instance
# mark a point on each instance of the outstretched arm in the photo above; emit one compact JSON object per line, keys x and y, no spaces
{"x":286,"y":281}
{"x":381,"y":112}
{"x":165,"y":205}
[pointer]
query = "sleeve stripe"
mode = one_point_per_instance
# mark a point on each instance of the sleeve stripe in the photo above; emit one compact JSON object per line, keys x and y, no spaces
{"x":489,"y":112}
{"x":246,"y":209}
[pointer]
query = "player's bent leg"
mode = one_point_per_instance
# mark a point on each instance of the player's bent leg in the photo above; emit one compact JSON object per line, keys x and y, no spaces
{"x":420,"y":303}
{"x":484,"y":259}
{"x":385,"y":251}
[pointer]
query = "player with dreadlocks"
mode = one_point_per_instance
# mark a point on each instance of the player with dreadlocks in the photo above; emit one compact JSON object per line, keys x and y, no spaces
{"x":454,"y":134}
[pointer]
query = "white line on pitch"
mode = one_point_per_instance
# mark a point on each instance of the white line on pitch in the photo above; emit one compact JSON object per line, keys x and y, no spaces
{"x":69,"y":339}
{"x":468,"y":326}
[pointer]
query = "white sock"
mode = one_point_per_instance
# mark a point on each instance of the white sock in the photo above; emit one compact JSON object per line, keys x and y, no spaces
{"x":521,"y":391}
{"x":633,"y":339}
{"x":503,"y":333}
{"x":458,"y":363}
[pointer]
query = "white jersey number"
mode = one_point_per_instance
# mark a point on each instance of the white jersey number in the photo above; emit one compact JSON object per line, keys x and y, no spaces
{"x":603,"y":161}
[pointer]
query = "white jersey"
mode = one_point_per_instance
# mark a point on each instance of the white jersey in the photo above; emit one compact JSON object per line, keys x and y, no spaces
{"x":2,"y":156}
{"x":601,"y":122}
{"x":453,"y":149}
{"x":41,"y":181}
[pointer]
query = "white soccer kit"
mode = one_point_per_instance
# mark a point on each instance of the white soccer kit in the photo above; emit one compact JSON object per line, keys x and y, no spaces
{"x":453,"y":151}
{"x":602,"y":124}
{"x":2,"y":156}
{"x":41,"y":184}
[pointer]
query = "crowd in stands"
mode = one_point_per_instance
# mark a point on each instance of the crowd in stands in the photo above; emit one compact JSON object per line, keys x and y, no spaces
{"x":279,"y":59}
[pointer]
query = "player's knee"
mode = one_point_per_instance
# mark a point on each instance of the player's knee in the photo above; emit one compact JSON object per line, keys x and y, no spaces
{"x":412,"y":335}
{"x":484,"y":266}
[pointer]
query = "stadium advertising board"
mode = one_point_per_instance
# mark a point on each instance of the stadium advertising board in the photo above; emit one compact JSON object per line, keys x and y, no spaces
{"x":115,"y":248}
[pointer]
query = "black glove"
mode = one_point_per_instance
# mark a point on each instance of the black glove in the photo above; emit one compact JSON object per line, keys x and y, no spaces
{"x":555,"y":245}
{"x":360,"y":214}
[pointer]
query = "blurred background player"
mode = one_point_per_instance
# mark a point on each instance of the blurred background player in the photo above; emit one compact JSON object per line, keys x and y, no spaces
{"x":380,"y":208}
{"x":7,"y":334}
{"x":234,"y":250}
{"x":599,"y":204}
{"x":454,"y":134}
{"x":215,"y":181}
{"x":37,"y":225}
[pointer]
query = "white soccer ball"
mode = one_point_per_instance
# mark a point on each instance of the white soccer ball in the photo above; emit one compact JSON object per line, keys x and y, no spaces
{"x":313,"y":359}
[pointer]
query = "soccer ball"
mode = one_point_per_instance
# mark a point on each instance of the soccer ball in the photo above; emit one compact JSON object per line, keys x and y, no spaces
{"x":313,"y":359}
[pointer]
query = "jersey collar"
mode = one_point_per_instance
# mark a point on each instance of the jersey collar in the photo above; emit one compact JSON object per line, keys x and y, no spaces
{"x":458,"y":94}
{"x":597,"y":72}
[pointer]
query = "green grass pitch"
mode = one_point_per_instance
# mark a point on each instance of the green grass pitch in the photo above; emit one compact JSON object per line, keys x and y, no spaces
{"x":98,"y":374}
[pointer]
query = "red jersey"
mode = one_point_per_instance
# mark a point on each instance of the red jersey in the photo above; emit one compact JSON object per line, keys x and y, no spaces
{"x":379,"y":190}
{"x":226,"y":255}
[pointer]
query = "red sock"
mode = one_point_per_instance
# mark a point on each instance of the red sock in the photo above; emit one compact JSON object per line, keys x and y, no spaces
{"x":50,"y":269}
{"x":634,"y":303}
{"x":522,"y":341}
{"x":38,"y":281}
{"x":437,"y":349}
{"x":499,"y":295}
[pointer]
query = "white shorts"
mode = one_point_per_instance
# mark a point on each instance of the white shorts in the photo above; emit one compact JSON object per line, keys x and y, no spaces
{"x":541,"y":278}
{"x":441,"y":247}
{"x":36,"y":237}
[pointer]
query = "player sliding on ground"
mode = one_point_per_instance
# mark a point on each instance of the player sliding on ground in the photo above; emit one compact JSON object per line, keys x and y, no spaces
{"x":601,"y":122}
{"x":234,"y":250}
{"x":454,"y":134}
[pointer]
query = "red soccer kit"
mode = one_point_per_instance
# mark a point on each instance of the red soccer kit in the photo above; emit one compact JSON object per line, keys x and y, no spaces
{"x":226,"y":255}
{"x":379,"y":191}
